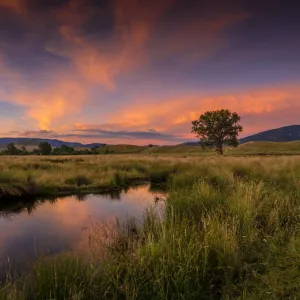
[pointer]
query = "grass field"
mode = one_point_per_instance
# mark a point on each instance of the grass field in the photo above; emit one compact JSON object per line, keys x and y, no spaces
{"x":37,"y":175}
{"x":231,"y":229}
{"x":251,"y":148}
{"x":268,"y":148}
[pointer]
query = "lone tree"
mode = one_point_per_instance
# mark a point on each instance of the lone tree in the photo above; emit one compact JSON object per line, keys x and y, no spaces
{"x":45,"y":148}
{"x":12,"y":149}
{"x":216,"y":128}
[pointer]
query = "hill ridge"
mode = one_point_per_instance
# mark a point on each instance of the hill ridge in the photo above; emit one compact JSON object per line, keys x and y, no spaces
{"x":53,"y":142}
{"x":287,"y":133}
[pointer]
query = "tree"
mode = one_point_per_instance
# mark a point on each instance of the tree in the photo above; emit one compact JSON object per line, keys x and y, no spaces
{"x":216,"y":128}
{"x":95,"y":149}
{"x":12,"y":149}
{"x":45,"y":148}
{"x":64,"y":149}
{"x":24,"y":150}
{"x":36,"y":151}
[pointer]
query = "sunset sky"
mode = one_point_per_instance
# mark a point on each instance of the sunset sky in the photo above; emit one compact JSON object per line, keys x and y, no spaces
{"x":138,"y":71}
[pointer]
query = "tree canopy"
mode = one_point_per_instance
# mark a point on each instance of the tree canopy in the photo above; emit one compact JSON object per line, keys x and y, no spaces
{"x":63,"y":149}
{"x":12,"y":149}
{"x":216,"y":128}
{"x":45,"y":148}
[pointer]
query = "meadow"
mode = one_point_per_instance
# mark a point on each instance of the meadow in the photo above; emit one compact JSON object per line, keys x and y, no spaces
{"x":250,"y":148}
{"x":230,"y":229}
{"x":53,"y":175}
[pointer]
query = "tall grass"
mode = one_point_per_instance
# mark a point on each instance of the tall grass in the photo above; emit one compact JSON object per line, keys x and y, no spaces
{"x":230,"y":230}
{"x":44,"y":176}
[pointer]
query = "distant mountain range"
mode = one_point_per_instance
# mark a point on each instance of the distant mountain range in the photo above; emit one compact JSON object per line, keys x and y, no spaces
{"x":52,"y":142}
{"x":282,"y":134}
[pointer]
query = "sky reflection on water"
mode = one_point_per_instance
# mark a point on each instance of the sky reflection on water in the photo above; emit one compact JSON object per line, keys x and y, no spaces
{"x":53,"y":225}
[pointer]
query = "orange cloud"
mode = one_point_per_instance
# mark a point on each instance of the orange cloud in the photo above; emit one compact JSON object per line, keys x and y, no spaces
{"x":93,"y":62}
{"x":52,"y":103}
{"x":135,"y":22}
{"x":100,"y":63}
{"x":175,"y":114}
{"x":55,"y":100}
{"x":97,"y":62}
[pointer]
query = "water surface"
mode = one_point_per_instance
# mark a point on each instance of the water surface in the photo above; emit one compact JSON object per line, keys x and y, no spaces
{"x":31,"y":226}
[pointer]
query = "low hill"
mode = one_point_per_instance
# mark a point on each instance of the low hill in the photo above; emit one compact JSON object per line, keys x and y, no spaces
{"x":282,"y":134}
{"x":35,"y":142}
{"x":267,"y":148}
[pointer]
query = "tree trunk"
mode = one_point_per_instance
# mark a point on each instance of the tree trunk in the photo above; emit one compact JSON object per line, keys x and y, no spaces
{"x":220,"y":149}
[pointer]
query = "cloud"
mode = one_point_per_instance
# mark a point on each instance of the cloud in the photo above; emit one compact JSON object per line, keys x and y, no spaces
{"x":43,"y":104}
{"x":35,"y":133}
{"x":100,"y":62}
{"x":264,"y":105}
{"x":189,"y":41}
{"x":106,"y":136}
{"x":168,"y":120}
{"x":130,"y":135}
{"x":53,"y":102}
{"x":67,"y":62}
{"x":61,"y":89}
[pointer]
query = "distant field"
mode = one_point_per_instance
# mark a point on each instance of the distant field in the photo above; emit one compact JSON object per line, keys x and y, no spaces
{"x":152,"y":150}
{"x":250,"y":148}
{"x":122,"y":149}
{"x":29,"y":148}
{"x":268,"y":148}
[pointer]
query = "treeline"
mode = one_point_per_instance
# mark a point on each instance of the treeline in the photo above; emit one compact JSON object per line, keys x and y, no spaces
{"x":45,"y":148}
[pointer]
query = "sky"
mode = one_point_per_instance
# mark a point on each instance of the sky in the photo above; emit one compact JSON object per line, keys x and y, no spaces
{"x":139,"y":71}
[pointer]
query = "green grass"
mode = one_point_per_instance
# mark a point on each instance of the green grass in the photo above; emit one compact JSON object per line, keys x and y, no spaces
{"x":122,"y":149}
{"x":36,"y":175}
{"x":231,"y":230}
{"x":251,"y":148}
{"x":267,"y":148}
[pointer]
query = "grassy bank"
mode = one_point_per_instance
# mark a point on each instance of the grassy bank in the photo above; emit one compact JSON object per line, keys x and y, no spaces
{"x":37,"y":175}
{"x":230,"y":231}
